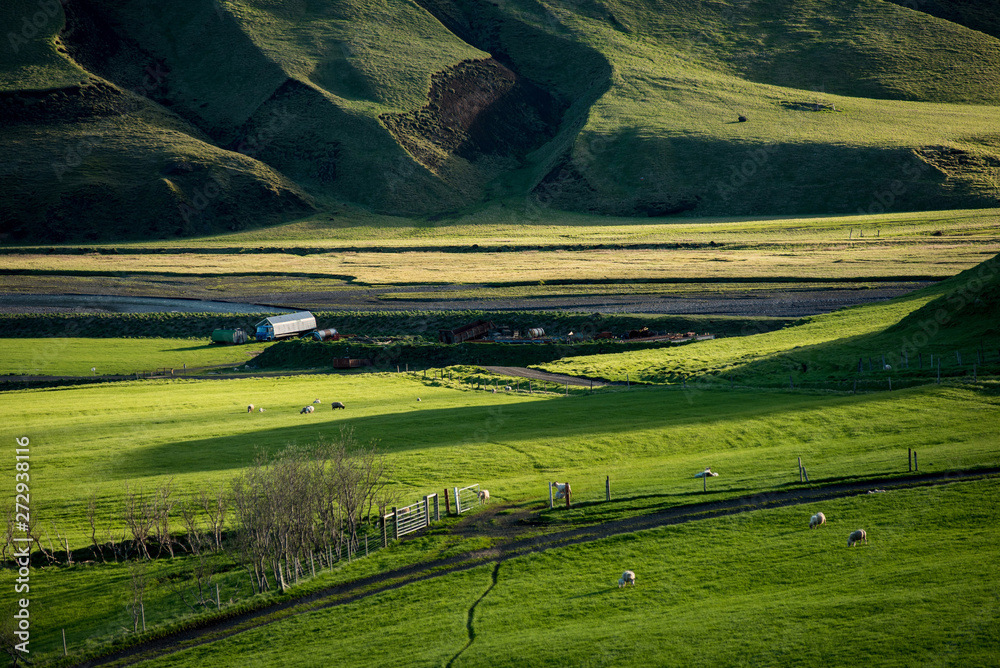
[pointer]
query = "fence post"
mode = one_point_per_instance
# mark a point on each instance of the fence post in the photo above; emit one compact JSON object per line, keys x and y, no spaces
{"x":704,"y":483}
{"x":395,"y":526}
{"x":909,"y":460}
{"x":447,"y":503}
{"x":550,"y":496}
{"x":890,"y":383}
{"x":385,"y":538}
{"x":65,"y":652}
{"x":627,"y":384}
{"x":607,"y":488}
{"x":458,"y":502}
{"x":916,"y":467}
{"x":800,"y":469}
{"x":437,"y":509}
{"x":567,"y":494}
{"x":427,"y":511}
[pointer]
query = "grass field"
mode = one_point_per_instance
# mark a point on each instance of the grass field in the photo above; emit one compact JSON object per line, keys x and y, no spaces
{"x":756,"y":588}
{"x":76,"y":357}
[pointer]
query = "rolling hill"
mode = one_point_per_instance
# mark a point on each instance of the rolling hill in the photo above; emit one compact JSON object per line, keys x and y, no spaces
{"x":126,"y":121}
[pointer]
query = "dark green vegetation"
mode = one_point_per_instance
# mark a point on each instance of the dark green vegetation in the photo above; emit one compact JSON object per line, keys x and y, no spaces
{"x":124,"y":122}
{"x":377,"y":323}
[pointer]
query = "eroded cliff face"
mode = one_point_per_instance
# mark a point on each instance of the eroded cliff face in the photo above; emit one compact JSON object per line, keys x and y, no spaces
{"x":477,"y":109}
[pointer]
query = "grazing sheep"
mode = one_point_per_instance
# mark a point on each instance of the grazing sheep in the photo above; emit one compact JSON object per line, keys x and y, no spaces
{"x":317,"y":401}
{"x":494,"y":390}
{"x":261,"y":409}
{"x":336,"y":404}
{"x":307,"y":409}
{"x":858,"y":536}
{"x":627,"y":578}
{"x":250,"y":408}
{"x":707,"y":473}
{"x":816,"y":520}
{"x":888,"y":368}
{"x":418,"y":398}
{"x":508,"y":388}
{"x":484,"y":496}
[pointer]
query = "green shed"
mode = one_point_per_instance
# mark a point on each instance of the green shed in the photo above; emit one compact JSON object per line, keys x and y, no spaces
{"x":230,"y":336}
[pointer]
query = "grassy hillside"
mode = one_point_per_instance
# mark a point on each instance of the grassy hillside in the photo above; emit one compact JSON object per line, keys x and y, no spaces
{"x":956,"y":315}
{"x":194,"y":118}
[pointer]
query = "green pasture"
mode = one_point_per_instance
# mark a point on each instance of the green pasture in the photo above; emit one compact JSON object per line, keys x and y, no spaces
{"x":93,"y":440}
{"x":76,"y":357}
{"x":757,"y":588}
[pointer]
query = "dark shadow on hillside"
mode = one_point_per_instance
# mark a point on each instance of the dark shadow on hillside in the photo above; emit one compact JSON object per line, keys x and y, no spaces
{"x":632,"y":174}
{"x":585,"y":418}
{"x":954,"y":334}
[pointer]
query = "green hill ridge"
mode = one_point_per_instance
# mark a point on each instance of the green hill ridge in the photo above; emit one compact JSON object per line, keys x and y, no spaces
{"x":123,"y":120}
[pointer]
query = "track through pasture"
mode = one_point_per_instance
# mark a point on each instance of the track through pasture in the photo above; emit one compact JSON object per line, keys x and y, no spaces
{"x":509,"y":524}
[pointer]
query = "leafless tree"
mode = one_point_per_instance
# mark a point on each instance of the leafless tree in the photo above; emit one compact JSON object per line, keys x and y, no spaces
{"x":134,"y":604}
{"x":63,"y":542}
{"x":139,"y":518}
{"x":216,"y":507}
{"x":189,"y":516}
{"x":163,"y":504}
{"x":92,"y":520}
{"x":8,"y":533}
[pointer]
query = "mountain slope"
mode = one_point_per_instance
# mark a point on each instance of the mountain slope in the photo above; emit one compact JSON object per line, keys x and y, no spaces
{"x":623,"y":107}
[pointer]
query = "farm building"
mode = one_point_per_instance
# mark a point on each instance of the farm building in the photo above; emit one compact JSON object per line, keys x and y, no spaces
{"x":281,"y":326}
{"x":231,"y":336}
{"x":475,"y":330}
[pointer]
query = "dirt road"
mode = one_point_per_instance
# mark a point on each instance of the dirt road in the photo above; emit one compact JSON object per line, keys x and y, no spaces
{"x":509,"y":529}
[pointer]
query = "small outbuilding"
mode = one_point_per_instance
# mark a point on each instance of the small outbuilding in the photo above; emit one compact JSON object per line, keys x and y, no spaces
{"x":283,"y":326}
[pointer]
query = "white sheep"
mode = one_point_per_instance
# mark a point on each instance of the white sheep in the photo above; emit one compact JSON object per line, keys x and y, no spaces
{"x":508,"y":388}
{"x":816,"y":520}
{"x":707,"y":473}
{"x":484,"y":496}
{"x":627,"y":578}
{"x":261,"y":409}
{"x":250,"y":408}
{"x":494,"y":390}
{"x":317,"y":401}
{"x":888,"y":368}
{"x":858,"y":536}
{"x":307,"y":409}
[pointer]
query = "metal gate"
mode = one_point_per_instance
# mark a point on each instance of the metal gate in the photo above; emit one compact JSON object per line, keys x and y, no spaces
{"x":414,"y":517}
{"x":466,"y":498}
